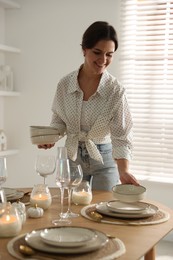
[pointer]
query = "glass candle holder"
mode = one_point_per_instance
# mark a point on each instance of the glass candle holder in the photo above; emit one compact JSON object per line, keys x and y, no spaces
{"x":10,"y":222}
{"x":41,"y":196}
{"x":82,"y":195}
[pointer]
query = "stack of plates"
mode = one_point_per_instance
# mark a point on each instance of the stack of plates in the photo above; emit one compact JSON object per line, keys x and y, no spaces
{"x":44,"y":134}
{"x":13,"y":194}
{"x":66,"y":240}
{"x":116,"y":208}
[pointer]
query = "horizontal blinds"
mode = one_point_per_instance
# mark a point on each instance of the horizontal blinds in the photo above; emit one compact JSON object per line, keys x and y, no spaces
{"x":146,"y":58}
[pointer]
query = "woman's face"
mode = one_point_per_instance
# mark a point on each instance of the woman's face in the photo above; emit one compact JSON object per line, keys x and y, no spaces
{"x":99,"y":57}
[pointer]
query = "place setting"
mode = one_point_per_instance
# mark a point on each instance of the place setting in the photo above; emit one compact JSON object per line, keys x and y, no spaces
{"x":126,"y":208}
{"x":65,"y":242}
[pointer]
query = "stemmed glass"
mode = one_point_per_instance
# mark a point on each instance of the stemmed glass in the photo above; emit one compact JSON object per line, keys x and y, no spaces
{"x":3,"y":178}
{"x":61,"y":152}
{"x":76,"y":176}
{"x":62,"y":181}
{"x":3,"y":171}
{"x":45,"y":165}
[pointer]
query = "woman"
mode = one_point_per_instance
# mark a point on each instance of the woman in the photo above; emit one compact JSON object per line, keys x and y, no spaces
{"x":91,"y":109}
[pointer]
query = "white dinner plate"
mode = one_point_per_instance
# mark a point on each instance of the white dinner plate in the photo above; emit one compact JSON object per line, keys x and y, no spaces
{"x":16,"y":196}
{"x":68,"y":236}
{"x":129,"y":208}
{"x":34,"y":240}
{"x":103,"y":209}
{"x":10,"y":192}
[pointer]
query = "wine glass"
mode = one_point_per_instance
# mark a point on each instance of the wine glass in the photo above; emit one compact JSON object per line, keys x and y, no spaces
{"x":62,"y":153}
{"x":62,"y":181}
{"x":3,"y":171}
{"x":76,"y":176}
{"x":45,"y":165}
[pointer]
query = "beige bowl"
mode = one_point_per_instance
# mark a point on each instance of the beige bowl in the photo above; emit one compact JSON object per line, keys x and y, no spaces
{"x":43,"y":130}
{"x":129,"y":192}
{"x":45,"y":139}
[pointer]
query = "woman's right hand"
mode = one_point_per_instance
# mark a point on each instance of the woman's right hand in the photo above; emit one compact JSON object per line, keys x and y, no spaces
{"x":45,"y":146}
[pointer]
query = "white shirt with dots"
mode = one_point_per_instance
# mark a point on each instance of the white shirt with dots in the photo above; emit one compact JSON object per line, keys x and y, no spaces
{"x":107,"y":116}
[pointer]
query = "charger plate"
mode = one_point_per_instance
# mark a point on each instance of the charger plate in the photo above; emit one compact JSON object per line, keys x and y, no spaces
{"x":160,"y":217}
{"x":113,"y":249}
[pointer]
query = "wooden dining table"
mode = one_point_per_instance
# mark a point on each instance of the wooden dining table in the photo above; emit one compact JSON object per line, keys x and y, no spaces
{"x":139,"y":240}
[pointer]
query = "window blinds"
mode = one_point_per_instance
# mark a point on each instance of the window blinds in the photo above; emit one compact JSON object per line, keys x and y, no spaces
{"x":146,"y":58}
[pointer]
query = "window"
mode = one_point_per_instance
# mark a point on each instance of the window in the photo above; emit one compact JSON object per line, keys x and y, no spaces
{"x":146,"y":58}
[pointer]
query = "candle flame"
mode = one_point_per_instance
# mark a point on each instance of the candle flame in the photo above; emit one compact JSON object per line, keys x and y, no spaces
{"x":7,"y":217}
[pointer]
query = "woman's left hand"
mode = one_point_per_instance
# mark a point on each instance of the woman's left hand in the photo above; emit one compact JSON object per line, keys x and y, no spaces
{"x":128,"y":178}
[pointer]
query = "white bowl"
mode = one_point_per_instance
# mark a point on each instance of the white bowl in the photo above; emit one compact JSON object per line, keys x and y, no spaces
{"x":45,"y":139}
{"x":129,"y":192}
{"x":43,"y":130}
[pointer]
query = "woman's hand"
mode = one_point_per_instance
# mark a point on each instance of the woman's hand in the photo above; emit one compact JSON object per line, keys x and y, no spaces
{"x":128,"y":178}
{"x":45,"y":146}
{"x":125,"y":176}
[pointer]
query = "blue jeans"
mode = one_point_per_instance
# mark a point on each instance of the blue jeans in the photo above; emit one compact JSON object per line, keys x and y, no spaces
{"x":101,"y":176}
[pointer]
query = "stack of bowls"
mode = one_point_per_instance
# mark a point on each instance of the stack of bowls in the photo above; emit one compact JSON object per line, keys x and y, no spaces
{"x":44,"y":135}
{"x":129,"y":192}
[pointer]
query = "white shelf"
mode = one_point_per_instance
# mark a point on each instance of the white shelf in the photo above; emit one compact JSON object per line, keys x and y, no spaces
{"x":9,"y":4}
{"x":9,"y":93}
{"x":6,"y":48}
{"x":8,"y":152}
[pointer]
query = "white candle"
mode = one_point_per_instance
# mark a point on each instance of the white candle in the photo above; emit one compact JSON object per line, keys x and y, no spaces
{"x":42,"y":200}
{"x":10,"y":225}
{"x":81,"y":197}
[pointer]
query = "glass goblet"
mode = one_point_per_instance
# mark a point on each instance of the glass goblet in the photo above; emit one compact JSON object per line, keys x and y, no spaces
{"x":76,"y":176}
{"x":45,"y":165}
{"x":62,"y":181}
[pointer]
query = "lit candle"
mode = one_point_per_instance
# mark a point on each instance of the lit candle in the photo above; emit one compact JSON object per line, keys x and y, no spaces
{"x":41,"y":200}
{"x":81,"y":197}
{"x":10,"y":225}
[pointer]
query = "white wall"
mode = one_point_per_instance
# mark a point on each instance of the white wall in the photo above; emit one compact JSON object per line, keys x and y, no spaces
{"x":49,"y":34}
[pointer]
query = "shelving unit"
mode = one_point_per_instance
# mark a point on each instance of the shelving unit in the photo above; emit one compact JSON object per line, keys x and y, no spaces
{"x":9,"y":93}
{"x":6,"y":48}
{"x":6,"y":4}
{"x":8,"y":152}
{"x":9,"y":4}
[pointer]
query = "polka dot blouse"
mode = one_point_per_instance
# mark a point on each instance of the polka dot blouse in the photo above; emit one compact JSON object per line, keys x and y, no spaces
{"x":106,"y":113}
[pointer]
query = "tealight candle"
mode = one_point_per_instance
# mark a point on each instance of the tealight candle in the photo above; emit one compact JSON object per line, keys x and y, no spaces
{"x":10,"y":223}
{"x":81,"y":197}
{"x":41,"y":200}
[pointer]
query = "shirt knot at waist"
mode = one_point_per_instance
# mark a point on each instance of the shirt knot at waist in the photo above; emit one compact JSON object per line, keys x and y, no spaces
{"x":72,"y":146}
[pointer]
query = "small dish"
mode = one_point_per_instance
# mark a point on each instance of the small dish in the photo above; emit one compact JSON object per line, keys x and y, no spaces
{"x":124,"y":207}
{"x":68,"y":236}
{"x":129,"y":192}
